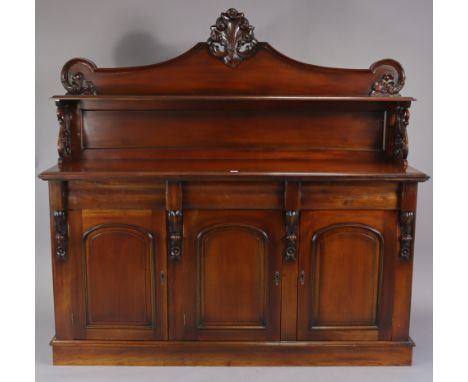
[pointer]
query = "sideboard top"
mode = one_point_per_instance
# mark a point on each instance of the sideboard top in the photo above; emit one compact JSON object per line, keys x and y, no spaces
{"x":233,"y":62}
{"x":224,"y":169}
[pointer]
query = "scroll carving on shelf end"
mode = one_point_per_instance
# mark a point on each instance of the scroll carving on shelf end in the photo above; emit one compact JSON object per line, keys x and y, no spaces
{"x":73,"y":77}
{"x":406,"y":233}
{"x":76,"y":84}
{"x":175,"y":233}
{"x":390,"y":78}
{"x":292,"y":222}
{"x":232,"y":38}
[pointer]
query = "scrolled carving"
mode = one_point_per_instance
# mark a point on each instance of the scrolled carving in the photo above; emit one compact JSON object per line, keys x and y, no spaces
{"x":76,"y":84}
{"x":232,"y":38}
{"x":61,"y":233}
{"x":175,"y":233}
{"x":291,"y":223}
{"x":73,"y":77}
{"x":390,"y":78}
{"x":64,"y":143}
{"x":400,"y":150}
{"x":406,"y":233}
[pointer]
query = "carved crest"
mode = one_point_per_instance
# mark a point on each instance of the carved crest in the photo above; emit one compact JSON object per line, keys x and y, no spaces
{"x":76,"y":84}
{"x":232,"y":38}
{"x":400,"y":151}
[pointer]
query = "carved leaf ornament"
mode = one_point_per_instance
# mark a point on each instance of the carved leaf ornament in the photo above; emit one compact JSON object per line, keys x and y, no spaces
{"x":232,"y":38}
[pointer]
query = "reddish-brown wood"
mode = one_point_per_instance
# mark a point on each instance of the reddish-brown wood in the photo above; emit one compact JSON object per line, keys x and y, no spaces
{"x":338,"y":169}
{"x":232,"y":206}
{"x":234,"y":353}
{"x":120,"y":255}
{"x":197,"y":72}
{"x":289,"y":279}
{"x":166,"y":130}
{"x":404,"y":271}
{"x":346,"y":274}
{"x":228,"y":281}
{"x":62,"y":270}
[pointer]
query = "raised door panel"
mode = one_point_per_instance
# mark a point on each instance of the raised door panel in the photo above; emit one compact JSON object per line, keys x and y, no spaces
{"x":122,"y":297}
{"x":227,"y":281}
{"x":118,"y":262}
{"x":346,"y":275}
{"x":231,"y":256}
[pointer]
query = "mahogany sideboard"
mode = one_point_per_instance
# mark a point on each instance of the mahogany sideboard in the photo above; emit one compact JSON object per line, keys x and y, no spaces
{"x":232,"y":206}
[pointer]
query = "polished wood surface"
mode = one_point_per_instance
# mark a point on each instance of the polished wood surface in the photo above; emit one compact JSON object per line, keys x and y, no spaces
{"x":324,"y":170}
{"x":232,"y":206}
{"x":119,"y":290}
{"x":234,"y":353}
{"x":197,"y":72}
{"x":346,"y":257}
{"x":182,"y":129}
{"x":227,"y":286}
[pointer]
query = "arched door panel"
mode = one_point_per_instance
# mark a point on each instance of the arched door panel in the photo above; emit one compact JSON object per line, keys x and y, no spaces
{"x":344,"y":260}
{"x":224,"y":286}
{"x":119,"y":257}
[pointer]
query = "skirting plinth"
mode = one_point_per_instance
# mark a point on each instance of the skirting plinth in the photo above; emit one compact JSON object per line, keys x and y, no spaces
{"x":194,"y":353}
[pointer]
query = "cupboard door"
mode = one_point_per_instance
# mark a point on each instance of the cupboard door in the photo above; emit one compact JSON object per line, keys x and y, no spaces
{"x":345,"y":262}
{"x":226,"y":286}
{"x":121,"y":295}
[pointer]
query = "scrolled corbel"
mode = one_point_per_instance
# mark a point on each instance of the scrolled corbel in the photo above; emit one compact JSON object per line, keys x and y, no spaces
{"x":64,"y":143}
{"x":291,"y":225}
{"x":406,"y":234}
{"x":401,"y":147}
{"x":61,"y":233}
{"x":175,"y":233}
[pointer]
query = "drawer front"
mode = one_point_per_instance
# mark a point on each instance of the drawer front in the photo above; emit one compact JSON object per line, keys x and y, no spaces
{"x":116,"y":194}
{"x":353,"y":195}
{"x":233,"y":195}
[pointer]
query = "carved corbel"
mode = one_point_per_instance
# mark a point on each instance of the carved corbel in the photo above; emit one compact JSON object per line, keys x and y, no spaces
{"x":291,"y":223}
{"x":232,"y":38}
{"x":61,"y":233}
{"x":64,"y":143}
{"x":406,"y":233}
{"x":175,"y":233}
{"x":400,"y":150}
